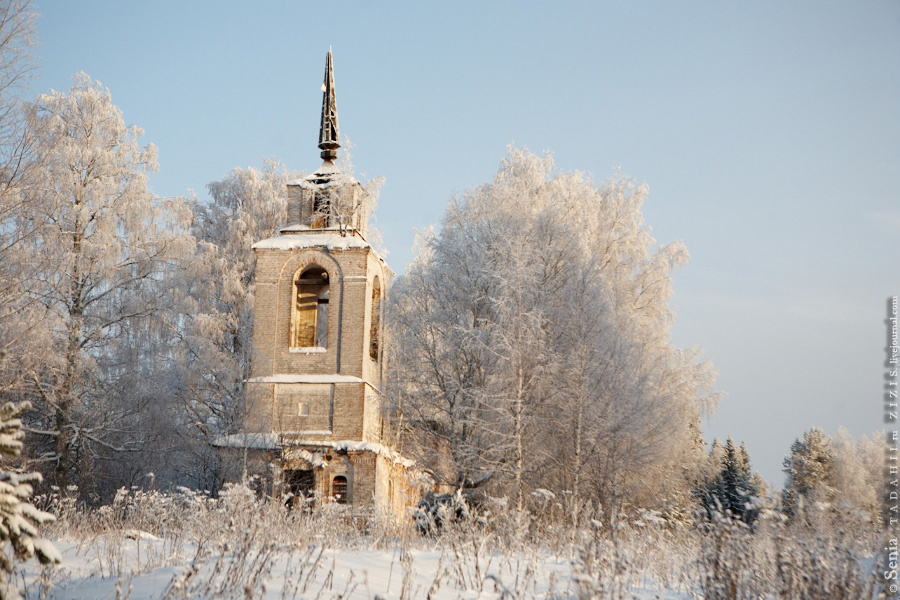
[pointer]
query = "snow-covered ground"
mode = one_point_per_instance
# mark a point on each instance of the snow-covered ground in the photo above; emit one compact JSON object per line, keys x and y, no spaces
{"x":149,"y":572}
{"x":181,"y":545}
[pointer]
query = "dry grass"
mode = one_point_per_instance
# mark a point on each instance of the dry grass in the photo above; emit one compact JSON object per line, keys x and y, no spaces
{"x":235,"y":545}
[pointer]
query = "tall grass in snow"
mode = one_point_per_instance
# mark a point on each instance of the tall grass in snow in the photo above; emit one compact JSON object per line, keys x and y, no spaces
{"x":240,"y":546}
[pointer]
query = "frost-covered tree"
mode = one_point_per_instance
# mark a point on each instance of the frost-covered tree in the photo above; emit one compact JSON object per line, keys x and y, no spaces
{"x":714,"y":460}
{"x":809,"y":469}
{"x":18,"y":160}
{"x":835,"y":481}
{"x":247,"y":205}
{"x":17,"y":31}
{"x":531,"y":337}
{"x":19,"y":519}
{"x":99,"y":265}
{"x":856,"y":476}
{"x":870,"y":452}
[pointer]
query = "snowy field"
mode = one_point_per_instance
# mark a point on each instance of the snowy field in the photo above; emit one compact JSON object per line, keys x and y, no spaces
{"x":150,"y":545}
{"x":310,"y":572}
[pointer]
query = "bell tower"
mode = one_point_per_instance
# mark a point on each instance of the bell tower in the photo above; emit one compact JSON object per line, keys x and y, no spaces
{"x":313,"y":399}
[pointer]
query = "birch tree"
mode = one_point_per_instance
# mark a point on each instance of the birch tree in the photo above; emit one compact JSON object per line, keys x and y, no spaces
{"x":100,"y":255}
{"x":247,"y":205}
{"x":19,"y":317}
{"x":809,"y":470}
{"x":17,"y":32}
{"x":540,"y":311}
{"x":441,"y":358}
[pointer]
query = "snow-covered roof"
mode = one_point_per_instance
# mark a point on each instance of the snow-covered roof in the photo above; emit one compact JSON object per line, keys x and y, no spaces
{"x":327,"y":175}
{"x":331,"y":239}
{"x":305,"y":379}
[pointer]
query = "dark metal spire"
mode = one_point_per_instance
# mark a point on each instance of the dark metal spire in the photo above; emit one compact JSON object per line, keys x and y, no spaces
{"x":329,"y":137}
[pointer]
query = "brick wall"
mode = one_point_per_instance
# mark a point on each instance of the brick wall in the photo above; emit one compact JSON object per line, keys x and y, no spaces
{"x":348,"y":410}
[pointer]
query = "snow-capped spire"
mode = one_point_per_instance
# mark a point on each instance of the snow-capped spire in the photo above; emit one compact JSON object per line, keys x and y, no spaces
{"x":329,"y":137}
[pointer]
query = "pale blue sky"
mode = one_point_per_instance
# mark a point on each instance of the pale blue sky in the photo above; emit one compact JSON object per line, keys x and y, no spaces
{"x":768,"y":132}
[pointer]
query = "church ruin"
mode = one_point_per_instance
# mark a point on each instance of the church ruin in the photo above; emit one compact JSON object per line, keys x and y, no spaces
{"x":313,"y":398}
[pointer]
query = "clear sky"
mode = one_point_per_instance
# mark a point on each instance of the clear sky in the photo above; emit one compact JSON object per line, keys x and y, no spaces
{"x":768,"y":132}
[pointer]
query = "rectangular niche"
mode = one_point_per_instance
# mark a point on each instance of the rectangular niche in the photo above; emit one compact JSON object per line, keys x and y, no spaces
{"x":304,"y":408}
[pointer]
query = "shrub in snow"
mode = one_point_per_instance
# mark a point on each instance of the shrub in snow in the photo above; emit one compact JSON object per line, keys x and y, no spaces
{"x":19,"y":520}
{"x":435,"y":511}
{"x":602,"y":568}
{"x":821,"y":568}
{"x":728,"y":566}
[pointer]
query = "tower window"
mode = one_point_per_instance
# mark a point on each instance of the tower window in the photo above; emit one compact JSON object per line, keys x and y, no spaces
{"x":310,"y":319}
{"x":302,"y":409}
{"x":339,"y":489}
{"x":375,"y":321}
{"x":321,"y":214}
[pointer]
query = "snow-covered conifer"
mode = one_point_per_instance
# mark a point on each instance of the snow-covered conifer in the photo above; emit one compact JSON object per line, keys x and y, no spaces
{"x":19,"y":519}
{"x":732,"y":491}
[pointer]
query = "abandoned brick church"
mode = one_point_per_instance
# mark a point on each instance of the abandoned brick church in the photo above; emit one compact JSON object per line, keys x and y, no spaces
{"x":313,"y":398}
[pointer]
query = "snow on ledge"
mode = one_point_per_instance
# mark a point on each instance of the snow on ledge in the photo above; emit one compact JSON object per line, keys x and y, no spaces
{"x":273,"y":441}
{"x":354,"y":446}
{"x":253,"y":441}
{"x":313,"y":458}
{"x":305,"y":379}
{"x":330,"y":240}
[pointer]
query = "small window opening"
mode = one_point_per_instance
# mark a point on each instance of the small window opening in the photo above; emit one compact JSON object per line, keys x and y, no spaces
{"x":303,"y":409}
{"x":311,"y":309}
{"x":321,"y":216}
{"x":375,"y":321}
{"x":339,"y":489}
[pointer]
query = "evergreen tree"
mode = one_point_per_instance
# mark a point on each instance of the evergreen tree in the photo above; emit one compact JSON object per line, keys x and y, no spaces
{"x":732,"y":491}
{"x":19,"y":520}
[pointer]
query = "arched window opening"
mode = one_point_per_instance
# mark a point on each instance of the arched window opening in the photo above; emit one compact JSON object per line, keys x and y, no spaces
{"x":311,"y":309}
{"x":339,"y":489}
{"x":375,"y":321}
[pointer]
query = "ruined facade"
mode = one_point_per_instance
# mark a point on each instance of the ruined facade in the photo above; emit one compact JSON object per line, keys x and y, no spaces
{"x":313,"y":398}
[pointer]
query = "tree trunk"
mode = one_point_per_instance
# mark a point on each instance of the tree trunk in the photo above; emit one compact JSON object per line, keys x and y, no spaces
{"x":520,"y":457}
{"x":66,"y":400}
